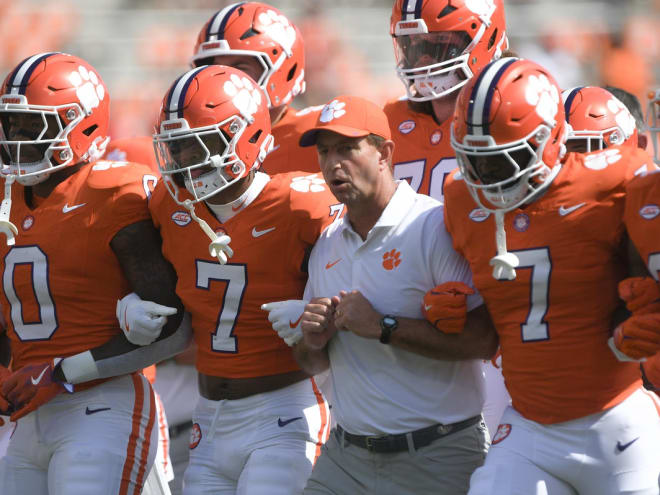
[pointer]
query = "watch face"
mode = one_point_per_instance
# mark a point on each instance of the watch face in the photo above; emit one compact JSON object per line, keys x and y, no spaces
{"x":389,"y":321}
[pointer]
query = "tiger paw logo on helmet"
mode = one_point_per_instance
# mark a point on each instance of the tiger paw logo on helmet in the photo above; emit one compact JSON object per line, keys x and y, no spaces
{"x":483,"y":8}
{"x":332,"y":110}
{"x":543,"y":96}
{"x":278,"y":28}
{"x":89,"y":90}
{"x":244,"y":95}
{"x":308,"y":183}
{"x":622,"y":116}
{"x":602,"y":160}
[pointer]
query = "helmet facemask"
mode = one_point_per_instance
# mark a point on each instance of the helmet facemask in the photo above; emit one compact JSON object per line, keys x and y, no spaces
{"x":507,"y":175}
{"x":432,"y":65}
{"x":33,"y":140}
{"x":203,"y":160}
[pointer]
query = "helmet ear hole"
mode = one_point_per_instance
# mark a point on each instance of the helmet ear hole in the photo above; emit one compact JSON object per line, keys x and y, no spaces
{"x":492,"y":39}
{"x":255,"y":137}
{"x":292,"y":72}
{"x":88,"y":132}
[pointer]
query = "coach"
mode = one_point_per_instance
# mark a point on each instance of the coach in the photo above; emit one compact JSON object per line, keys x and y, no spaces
{"x":407,"y":397}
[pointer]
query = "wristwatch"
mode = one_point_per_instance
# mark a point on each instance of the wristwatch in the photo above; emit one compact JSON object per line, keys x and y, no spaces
{"x":388,"y":324}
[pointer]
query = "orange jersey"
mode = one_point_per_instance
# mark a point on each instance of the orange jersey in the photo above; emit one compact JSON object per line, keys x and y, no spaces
{"x":270,"y":238}
{"x":287,"y":155}
{"x":422,"y":153}
{"x":61,"y":280}
{"x":642,"y":215}
{"x":554,"y":319}
{"x":137,"y":149}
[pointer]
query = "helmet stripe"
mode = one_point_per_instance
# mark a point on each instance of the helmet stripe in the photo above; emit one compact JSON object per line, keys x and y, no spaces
{"x":411,"y":9}
{"x":177,"y":96}
{"x":216,"y":27}
{"x":482,"y":96}
{"x":21,"y":76}
{"x":569,"y":99}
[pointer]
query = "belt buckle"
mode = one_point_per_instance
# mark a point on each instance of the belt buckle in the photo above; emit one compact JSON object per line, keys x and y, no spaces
{"x":370,"y":443}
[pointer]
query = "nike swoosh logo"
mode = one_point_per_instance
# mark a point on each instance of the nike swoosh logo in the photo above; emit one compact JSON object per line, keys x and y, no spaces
{"x":281,"y":423}
{"x":66,"y":208}
{"x":236,"y":208}
{"x":294,"y":324}
{"x":621,"y":447}
{"x":565,"y":211}
{"x":330,"y":265}
{"x":428,"y":307}
{"x":94,"y":411}
{"x":35,"y":381}
{"x":259,"y":233}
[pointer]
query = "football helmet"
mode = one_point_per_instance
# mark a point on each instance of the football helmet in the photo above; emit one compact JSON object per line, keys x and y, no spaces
{"x":54,"y":111}
{"x":254,"y":29}
{"x":214,"y":127}
{"x":440,"y":44}
{"x":597,"y":120}
{"x":653,"y":121}
{"x":508,"y":133}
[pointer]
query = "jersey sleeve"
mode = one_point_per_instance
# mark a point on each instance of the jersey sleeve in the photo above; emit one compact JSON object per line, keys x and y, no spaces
{"x":312,"y":205}
{"x":127,"y":203}
{"x":447,"y":265}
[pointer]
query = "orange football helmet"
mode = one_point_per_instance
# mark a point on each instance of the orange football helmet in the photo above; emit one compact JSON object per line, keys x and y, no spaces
{"x":509,"y":133}
{"x":653,"y":121}
{"x":597,"y":120}
{"x":54,"y":111}
{"x":214,"y":127}
{"x":257,"y":30}
{"x":440,"y":44}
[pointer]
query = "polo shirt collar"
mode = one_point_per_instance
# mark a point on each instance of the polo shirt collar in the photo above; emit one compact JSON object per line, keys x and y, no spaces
{"x":401,"y":202}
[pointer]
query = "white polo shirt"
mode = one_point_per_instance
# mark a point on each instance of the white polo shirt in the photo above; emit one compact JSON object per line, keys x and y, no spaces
{"x":379,"y":388}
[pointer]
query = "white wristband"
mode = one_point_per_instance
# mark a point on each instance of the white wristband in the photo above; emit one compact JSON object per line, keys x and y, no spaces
{"x":80,"y":368}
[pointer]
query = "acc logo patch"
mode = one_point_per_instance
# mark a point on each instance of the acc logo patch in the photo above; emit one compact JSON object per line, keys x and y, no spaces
{"x":521,"y":222}
{"x":195,"y":436}
{"x":407,"y":126}
{"x":436,"y":137}
{"x":28,"y":222}
{"x":181,"y":218}
{"x":647,"y":212}
{"x":503,"y":431}
{"x":478,"y":215}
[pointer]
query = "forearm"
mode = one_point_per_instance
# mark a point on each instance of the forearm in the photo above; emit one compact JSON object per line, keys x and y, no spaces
{"x":478,"y":340}
{"x":118,"y":356}
{"x":310,"y":360}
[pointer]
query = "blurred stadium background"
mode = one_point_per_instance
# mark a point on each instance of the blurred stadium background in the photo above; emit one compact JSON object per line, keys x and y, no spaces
{"x":139,"y":47}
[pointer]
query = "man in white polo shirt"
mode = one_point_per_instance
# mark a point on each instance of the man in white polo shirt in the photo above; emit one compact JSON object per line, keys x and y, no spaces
{"x":407,"y":396}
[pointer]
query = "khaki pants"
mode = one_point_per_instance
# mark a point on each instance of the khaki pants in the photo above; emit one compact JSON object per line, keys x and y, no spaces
{"x":443,"y":467}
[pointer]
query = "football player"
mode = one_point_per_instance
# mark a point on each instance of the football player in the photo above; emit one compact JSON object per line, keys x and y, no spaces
{"x":260,"y":421}
{"x":597,"y":120}
{"x":439,"y":45}
{"x":580,"y":421}
{"x":259,"y":40}
{"x":79,"y":237}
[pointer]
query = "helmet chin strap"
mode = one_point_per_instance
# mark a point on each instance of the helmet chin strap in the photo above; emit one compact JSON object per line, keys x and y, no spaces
{"x":504,"y":263}
{"x":219,"y":247}
{"x":6,"y":227}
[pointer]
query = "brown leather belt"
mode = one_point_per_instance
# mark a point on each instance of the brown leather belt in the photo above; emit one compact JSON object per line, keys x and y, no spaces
{"x":399,"y":443}
{"x":218,"y":388}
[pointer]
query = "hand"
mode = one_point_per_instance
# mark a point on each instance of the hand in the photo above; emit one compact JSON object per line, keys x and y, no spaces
{"x":285,"y":317}
{"x":637,"y":338}
{"x":219,"y":248}
{"x":317,"y":322}
{"x":141,"y":321}
{"x":445,"y":306}
{"x":5,"y":407}
{"x":641,"y":295}
{"x":356,"y":314}
{"x":32,"y":386}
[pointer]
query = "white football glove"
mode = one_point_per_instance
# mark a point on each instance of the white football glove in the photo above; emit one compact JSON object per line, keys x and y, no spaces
{"x":285,"y":317}
{"x":141,"y":321}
